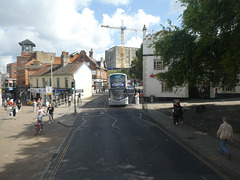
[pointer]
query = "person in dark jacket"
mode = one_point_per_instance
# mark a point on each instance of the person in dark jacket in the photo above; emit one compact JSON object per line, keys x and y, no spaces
{"x":177,"y":114}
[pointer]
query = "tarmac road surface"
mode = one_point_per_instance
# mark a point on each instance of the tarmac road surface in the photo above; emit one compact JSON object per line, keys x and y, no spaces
{"x":121,"y":143}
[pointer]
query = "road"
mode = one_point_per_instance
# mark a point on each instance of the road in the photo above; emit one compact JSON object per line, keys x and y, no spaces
{"x":122,"y":143}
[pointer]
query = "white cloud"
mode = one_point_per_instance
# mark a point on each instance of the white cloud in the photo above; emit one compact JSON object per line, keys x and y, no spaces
{"x":4,"y":60}
{"x":175,"y":7}
{"x":116,"y":2}
{"x":133,"y":22}
{"x":60,"y":25}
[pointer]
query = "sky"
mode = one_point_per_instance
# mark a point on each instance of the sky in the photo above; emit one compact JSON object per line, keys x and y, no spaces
{"x":74,"y":25}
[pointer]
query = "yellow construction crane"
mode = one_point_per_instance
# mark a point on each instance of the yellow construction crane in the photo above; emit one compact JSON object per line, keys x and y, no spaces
{"x":122,"y":39}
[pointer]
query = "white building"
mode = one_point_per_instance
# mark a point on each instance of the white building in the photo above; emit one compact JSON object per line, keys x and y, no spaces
{"x":153,"y":65}
{"x":61,"y":82}
{"x":83,"y":80}
{"x":152,"y":87}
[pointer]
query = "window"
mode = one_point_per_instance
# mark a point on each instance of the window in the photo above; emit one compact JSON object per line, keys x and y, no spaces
{"x":165,"y":89}
{"x":43,"y":82}
{"x":158,"y":64}
{"x":37,"y":82}
{"x":226,"y":88}
{"x":58,"y":82}
{"x":66,"y":82}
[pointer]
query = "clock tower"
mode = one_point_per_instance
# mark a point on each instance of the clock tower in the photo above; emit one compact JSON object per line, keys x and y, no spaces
{"x":27,"y":46}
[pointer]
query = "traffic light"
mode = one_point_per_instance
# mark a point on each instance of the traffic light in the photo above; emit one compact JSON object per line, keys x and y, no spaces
{"x":73,"y":85}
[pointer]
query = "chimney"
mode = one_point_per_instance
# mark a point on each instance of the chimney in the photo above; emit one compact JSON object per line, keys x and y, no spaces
{"x":91,"y":53}
{"x":144,"y":31}
{"x":102,"y":65}
{"x":65,"y":58}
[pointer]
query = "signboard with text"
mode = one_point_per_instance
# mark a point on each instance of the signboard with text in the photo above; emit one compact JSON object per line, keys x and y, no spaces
{"x":48,"y":90}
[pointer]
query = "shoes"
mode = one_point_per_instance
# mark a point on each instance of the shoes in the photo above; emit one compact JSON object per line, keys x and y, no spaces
{"x":49,"y":123}
{"x":229,"y":157}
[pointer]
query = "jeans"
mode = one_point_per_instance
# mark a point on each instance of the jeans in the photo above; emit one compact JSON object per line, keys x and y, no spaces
{"x":223,"y":148}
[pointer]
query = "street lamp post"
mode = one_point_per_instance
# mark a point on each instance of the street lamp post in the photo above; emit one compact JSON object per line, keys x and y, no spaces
{"x":51,"y":82}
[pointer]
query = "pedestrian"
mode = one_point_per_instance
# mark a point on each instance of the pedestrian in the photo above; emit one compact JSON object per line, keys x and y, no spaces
{"x":5,"y":104}
{"x":34,"y":106}
{"x":41,"y":110}
{"x":50,"y":111}
{"x":14,"y":111}
{"x":19,"y":104}
{"x":137,"y":98}
{"x":69,"y":101}
{"x":225,"y":133}
{"x":39,"y":119}
{"x":177,"y":113}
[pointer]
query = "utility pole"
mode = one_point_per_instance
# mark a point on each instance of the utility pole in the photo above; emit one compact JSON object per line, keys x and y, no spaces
{"x":74,"y":94}
{"x":51,"y":82}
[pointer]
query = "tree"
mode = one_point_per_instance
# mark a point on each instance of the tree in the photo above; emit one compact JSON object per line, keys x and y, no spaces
{"x":206,"y":47}
{"x":136,"y":70}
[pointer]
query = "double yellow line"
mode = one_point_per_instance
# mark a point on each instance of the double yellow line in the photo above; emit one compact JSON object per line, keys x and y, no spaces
{"x":62,"y":155}
{"x":194,"y":154}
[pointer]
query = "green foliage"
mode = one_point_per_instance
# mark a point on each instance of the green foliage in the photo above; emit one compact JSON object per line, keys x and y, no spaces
{"x":136,"y":66}
{"x":206,"y":47}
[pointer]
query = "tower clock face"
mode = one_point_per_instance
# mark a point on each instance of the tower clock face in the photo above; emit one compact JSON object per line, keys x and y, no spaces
{"x":26,"y":48}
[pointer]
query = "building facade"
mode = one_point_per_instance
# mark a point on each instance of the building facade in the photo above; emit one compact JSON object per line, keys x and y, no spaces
{"x":113,"y":57}
{"x":61,"y":81}
{"x":12,"y":70}
{"x":153,"y":65}
{"x":158,"y":91}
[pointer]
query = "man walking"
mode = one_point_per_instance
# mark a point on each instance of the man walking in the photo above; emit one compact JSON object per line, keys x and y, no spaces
{"x":225,"y":133}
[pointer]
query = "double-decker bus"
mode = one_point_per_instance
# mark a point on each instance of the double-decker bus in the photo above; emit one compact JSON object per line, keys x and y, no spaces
{"x":117,"y":86}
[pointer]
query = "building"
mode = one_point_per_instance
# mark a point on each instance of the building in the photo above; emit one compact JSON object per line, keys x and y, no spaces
{"x":99,"y":70}
{"x":8,"y":86}
{"x":62,"y":78}
{"x":153,"y":65}
{"x":113,"y":57}
{"x":156,"y":90}
{"x":12,"y":70}
{"x":37,"y":64}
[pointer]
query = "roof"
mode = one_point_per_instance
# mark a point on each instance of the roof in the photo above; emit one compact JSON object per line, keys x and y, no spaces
{"x":26,"y":42}
{"x":46,"y":70}
{"x":68,"y":69}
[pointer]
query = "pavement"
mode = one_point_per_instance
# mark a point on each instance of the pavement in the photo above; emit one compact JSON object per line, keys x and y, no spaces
{"x":24,"y":155}
{"x":199,"y":142}
{"x":23,"y":151}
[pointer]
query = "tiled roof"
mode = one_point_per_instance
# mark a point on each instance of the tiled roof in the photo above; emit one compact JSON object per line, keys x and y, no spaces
{"x":74,"y":57}
{"x":68,"y":69}
{"x":46,"y":70}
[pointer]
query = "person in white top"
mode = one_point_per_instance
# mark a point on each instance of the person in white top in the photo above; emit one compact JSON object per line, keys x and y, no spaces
{"x":43,"y":112}
{"x":225,"y":133}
